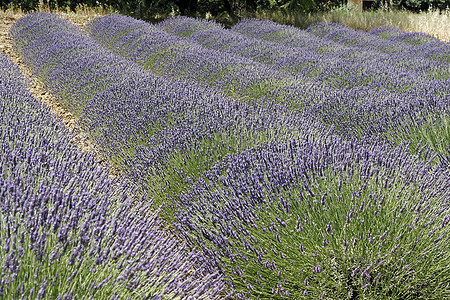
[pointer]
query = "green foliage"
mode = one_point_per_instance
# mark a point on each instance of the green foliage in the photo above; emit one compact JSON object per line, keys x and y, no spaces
{"x":26,"y":5}
{"x":300,"y":5}
{"x":341,"y":233}
{"x":149,"y":8}
{"x":433,"y":132}
{"x":421,"y":5}
{"x":221,"y":9}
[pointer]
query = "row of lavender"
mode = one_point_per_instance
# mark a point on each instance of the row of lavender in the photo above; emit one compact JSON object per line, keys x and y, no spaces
{"x":423,"y":41}
{"x":332,"y":60}
{"x":419,"y":104}
{"x":170,"y":56}
{"x":159,"y":132}
{"x":329,"y":220}
{"x":360,"y":56}
{"x":279,"y":206}
{"x":67,"y":231}
{"x":406,"y":52}
{"x":300,"y":50}
{"x":344,"y":42}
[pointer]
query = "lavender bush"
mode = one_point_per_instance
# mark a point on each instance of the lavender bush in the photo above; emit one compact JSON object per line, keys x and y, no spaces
{"x":413,"y":44}
{"x":335,"y":34}
{"x":414,"y":38}
{"x":231,"y":40}
{"x":341,"y":66}
{"x":329,"y":220}
{"x":185,"y":27}
{"x":424,"y":44}
{"x":68,"y":231}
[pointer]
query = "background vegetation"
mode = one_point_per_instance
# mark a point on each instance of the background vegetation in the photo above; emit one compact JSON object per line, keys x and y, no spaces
{"x":215,"y":8}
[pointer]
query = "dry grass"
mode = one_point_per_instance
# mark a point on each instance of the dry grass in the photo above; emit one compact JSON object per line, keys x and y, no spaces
{"x":10,"y":15}
{"x":434,"y":23}
{"x":80,"y":16}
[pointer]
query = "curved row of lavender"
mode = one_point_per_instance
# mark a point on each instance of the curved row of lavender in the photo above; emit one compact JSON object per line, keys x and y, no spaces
{"x":413,"y":38}
{"x":339,"y":34}
{"x":220,"y":215}
{"x":324,"y":220}
{"x":68,"y":231}
{"x":430,"y":58}
{"x":360,"y":111}
{"x":338,"y":64}
{"x":245,"y":214}
{"x":163,"y":133}
{"x":410,"y":44}
{"x":170,"y":56}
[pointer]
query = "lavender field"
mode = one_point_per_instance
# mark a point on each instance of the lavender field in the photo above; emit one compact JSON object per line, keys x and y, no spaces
{"x":256,"y":162}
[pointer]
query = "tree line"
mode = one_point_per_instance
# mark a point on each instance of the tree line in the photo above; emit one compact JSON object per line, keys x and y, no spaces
{"x":143,"y":8}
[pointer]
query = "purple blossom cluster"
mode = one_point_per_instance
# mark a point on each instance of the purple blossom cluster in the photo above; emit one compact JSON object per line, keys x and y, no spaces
{"x":421,"y":49}
{"x":231,"y":41}
{"x":341,"y":67}
{"x":337,"y":37}
{"x":426,"y":45}
{"x":410,"y":44}
{"x":414,"y":38}
{"x":270,"y":53}
{"x":330,"y":219}
{"x":186,"y":26}
{"x":172,"y":56}
{"x":68,"y":231}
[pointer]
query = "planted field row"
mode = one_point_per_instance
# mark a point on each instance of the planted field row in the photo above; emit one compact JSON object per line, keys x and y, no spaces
{"x":164,"y":53}
{"x":171,"y":56}
{"x":324,"y":220}
{"x":334,"y":35}
{"x":361,"y":111}
{"x":316,"y":201}
{"x":418,"y":39}
{"x":66,"y":229}
{"x":337,"y":64}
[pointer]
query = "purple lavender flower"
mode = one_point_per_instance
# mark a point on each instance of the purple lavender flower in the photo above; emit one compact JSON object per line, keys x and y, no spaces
{"x":57,"y":205}
{"x":171,"y":56}
{"x":314,"y":163}
{"x":365,"y":87}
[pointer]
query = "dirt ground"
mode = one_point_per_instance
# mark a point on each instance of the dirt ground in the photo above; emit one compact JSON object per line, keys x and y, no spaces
{"x":38,"y":89}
